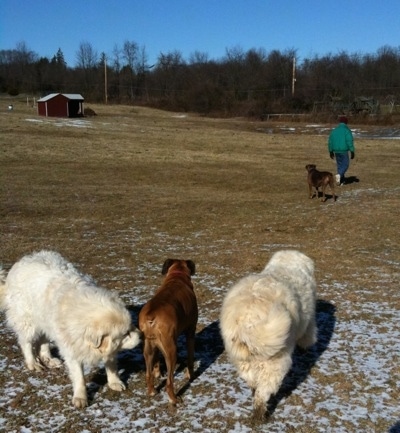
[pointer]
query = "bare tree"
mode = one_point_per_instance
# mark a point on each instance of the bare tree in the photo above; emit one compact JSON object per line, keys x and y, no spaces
{"x":388,"y":67}
{"x":87,"y":64}
{"x":21,"y":70}
{"x":143,"y":68}
{"x":129,"y":54}
{"x":117,"y":53}
{"x":86,"y":56}
{"x":115,"y":77}
{"x":169,"y":73}
{"x":198,"y":58}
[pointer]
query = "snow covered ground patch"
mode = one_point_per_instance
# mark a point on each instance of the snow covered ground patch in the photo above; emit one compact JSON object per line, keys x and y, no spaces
{"x":350,"y":378}
{"x":59,"y":122}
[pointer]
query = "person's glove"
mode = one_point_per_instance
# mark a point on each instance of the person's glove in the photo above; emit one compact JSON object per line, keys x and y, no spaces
{"x":332,"y":155}
{"x":352,"y":155}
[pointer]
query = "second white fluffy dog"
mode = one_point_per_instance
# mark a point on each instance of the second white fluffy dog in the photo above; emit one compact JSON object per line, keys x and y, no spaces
{"x":47,"y":299}
{"x":263,"y":316}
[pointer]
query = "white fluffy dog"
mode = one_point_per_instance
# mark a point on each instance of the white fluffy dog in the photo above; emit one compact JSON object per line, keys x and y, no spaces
{"x":47,"y":299}
{"x":263,"y":316}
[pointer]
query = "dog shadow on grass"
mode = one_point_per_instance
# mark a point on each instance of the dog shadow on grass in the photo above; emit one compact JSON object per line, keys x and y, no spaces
{"x":351,"y":179}
{"x":395,"y":428}
{"x":304,"y":361}
{"x":132,"y":361}
{"x":209,"y":346}
{"x":328,"y":197}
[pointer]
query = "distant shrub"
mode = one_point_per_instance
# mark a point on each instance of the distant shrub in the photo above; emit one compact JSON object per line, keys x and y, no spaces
{"x":13,"y":92}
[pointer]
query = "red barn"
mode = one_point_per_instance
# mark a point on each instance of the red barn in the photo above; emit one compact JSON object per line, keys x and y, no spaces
{"x":61,"y":105}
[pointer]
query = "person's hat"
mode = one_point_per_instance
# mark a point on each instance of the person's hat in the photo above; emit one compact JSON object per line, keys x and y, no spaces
{"x":343,"y":119}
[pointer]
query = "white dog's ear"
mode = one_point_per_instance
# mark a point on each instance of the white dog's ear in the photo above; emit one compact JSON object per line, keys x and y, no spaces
{"x":100,"y":342}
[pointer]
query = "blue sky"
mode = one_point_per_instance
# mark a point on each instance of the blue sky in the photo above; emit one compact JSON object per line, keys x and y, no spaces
{"x":311,"y":27}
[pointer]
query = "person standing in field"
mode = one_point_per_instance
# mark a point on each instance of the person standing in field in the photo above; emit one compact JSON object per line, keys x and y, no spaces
{"x":340,"y":143}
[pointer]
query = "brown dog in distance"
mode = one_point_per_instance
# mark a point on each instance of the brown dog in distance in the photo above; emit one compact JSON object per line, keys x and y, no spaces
{"x":171,"y":312}
{"x":318,"y":179}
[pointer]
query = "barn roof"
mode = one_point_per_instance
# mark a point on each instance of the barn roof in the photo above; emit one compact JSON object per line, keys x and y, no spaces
{"x":73,"y":96}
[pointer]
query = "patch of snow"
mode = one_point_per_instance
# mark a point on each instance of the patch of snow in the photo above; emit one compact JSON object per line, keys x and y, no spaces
{"x":77,"y":123}
{"x":350,"y":375}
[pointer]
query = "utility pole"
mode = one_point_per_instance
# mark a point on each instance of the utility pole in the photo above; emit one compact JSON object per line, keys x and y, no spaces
{"x":105,"y":80}
{"x":293,"y":75}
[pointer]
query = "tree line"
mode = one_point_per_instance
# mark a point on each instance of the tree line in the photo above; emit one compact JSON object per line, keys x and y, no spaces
{"x":253,"y":82}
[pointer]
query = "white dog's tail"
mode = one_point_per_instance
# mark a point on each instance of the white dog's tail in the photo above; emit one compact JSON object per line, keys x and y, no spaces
{"x":264,"y":337}
{"x":2,"y":288}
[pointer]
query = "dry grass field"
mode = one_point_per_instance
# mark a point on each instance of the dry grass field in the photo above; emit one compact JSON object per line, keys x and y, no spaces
{"x":120,"y":192}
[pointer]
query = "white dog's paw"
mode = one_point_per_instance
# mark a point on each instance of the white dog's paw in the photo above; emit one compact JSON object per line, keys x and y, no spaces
{"x":117,"y":386}
{"x":259,"y":410}
{"x":35,"y":365}
{"x":79,"y":402}
{"x":52,"y":362}
{"x":55,"y":363}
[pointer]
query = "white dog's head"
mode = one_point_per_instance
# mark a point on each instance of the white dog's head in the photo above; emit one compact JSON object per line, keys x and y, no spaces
{"x":110,"y":343}
{"x":290,"y":260}
{"x":131,"y":339}
{"x":110,"y":330}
